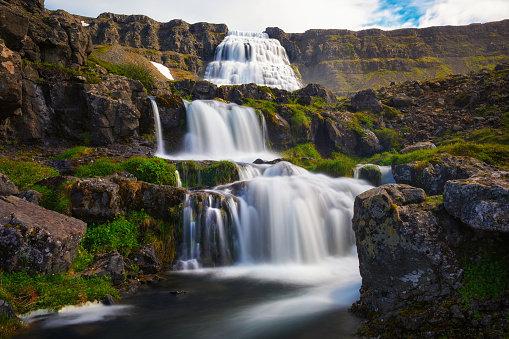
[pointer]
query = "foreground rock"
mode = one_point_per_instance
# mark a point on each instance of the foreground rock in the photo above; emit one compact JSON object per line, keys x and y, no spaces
{"x":481,"y":202}
{"x":432,"y":176}
{"x":36,"y":239}
{"x":412,"y":258}
{"x":109,"y":265}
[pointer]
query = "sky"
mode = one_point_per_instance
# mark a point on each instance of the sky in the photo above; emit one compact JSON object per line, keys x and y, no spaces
{"x":297,"y":16}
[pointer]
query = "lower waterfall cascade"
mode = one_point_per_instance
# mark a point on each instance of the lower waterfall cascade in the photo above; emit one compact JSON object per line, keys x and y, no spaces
{"x":247,"y":57}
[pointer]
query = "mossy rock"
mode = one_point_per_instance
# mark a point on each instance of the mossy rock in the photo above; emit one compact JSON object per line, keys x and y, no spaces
{"x":372,"y":174}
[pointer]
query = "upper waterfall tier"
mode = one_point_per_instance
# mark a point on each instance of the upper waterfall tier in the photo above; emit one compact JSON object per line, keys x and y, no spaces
{"x":245,"y":57}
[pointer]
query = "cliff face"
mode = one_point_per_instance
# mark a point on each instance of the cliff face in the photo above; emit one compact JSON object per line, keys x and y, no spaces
{"x":182,"y":45}
{"x":347,"y":61}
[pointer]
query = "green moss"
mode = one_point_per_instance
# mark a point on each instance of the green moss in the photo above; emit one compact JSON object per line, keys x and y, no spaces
{"x":25,"y":173}
{"x":74,"y":153}
{"x":56,"y":199}
{"x":219,"y":173}
{"x":98,"y":168}
{"x":307,"y":150}
{"x":390,"y":139}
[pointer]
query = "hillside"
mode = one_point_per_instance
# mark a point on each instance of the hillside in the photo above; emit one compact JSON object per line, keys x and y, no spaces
{"x":348,"y":61}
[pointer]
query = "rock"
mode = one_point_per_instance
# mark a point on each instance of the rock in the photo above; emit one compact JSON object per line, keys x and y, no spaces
{"x":6,"y":310}
{"x":147,"y":260}
{"x":101,"y":199}
{"x":316,"y":90}
{"x":10,"y":80}
{"x":366,"y":100}
{"x":402,"y":100}
{"x":433,"y":176}
{"x":13,"y":28}
{"x":110,"y":265}
{"x":481,"y":202}
{"x":418,"y":146}
{"x":108,"y":300}
{"x":7,"y":187}
{"x":368,"y":144}
{"x":31,"y":196}
{"x":37,"y":239}
{"x":404,"y":254}
{"x":371,"y":173}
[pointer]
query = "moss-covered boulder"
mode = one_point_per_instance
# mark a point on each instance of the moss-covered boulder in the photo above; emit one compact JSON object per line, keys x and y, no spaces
{"x":371,"y":173}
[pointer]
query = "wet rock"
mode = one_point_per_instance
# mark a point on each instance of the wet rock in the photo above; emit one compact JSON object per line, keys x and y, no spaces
{"x":7,"y":187}
{"x":147,"y":260}
{"x":37,"y":239}
{"x":366,"y":100}
{"x":110,"y":265}
{"x":6,"y":310}
{"x":371,"y":173}
{"x":481,"y":201}
{"x":108,"y":300}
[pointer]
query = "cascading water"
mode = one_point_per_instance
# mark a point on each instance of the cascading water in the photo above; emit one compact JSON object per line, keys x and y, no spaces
{"x":245,"y":57}
{"x":219,"y":131}
{"x":159,"y":130}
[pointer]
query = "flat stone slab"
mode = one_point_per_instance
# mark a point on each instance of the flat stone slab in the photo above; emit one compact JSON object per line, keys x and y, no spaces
{"x":35,"y":238}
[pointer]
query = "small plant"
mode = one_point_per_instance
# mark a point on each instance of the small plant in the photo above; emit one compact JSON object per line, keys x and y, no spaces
{"x":120,"y":234}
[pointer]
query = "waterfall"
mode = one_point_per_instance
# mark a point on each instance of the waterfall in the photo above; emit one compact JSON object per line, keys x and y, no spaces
{"x":244,"y":57}
{"x":285,"y":216}
{"x":218,"y":131}
{"x":159,"y":130}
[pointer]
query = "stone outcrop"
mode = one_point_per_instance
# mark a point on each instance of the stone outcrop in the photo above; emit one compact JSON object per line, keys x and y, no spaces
{"x":481,"y":201}
{"x":433,"y":176}
{"x":109,"y":265}
{"x":10,"y":80}
{"x":101,"y":199}
{"x":147,"y":260}
{"x":7,"y":187}
{"x":36,"y":239}
{"x":347,"y":61}
{"x":366,"y":100}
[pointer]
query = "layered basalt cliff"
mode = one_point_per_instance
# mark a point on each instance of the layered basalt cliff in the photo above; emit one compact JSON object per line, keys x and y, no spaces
{"x":347,"y":61}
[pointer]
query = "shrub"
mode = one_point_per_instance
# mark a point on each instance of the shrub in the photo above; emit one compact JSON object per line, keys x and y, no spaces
{"x":154,"y":170}
{"x":120,"y":234}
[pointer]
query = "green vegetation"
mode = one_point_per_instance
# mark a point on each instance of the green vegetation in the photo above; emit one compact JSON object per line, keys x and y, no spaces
{"x":219,"y":173}
{"x":56,"y":199}
{"x":27,"y":292}
{"x":485,"y":280}
{"x":129,"y":70}
{"x":25,"y":173}
{"x":389,"y":139}
{"x":60,"y":72}
{"x":153,"y":170}
{"x":74,"y":153}
{"x":307,"y":150}
{"x":493,"y":154}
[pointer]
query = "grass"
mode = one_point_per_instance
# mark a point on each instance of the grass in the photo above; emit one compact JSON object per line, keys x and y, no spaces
{"x":153,"y":170}
{"x":492,"y":154}
{"x":59,"y":72}
{"x":26,"y":292}
{"x":129,"y":70}
{"x":74,"y":153}
{"x":25,"y":173}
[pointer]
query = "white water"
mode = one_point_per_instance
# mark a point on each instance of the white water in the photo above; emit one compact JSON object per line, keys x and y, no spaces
{"x":159,"y":130}
{"x":163,"y":70}
{"x":220,"y":131}
{"x":245,"y":57}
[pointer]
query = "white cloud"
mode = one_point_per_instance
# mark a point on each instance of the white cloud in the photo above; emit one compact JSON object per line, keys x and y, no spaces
{"x":462,"y":12}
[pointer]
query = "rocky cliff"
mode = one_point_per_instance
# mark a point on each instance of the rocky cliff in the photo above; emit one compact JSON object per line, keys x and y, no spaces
{"x":347,"y":61}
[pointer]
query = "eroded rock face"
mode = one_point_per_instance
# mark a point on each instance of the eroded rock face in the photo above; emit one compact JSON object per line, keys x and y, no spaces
{"x":37,"y":239}
{"x":433,"y":176}
{"x":10,"y":82}
{"x":481,"y":202}
{"x":147,"y":260}
{"x":404,"y":250}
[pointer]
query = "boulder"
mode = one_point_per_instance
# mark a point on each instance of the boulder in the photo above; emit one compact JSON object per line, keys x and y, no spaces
{"x":6,"y":310}
{"x":101,"y":199}
{"x":418,"y":146}
{"x":371,"y":173}
{"x":7,"y":187}
{"x":481,"y":202}
{"x":31,"y":196}
{"x":36,"y":239}
{"x":316,"y":90}
{"x":368,"y":144}
{"x":402,"y":100}
{"x":433,"y":176}
{"x":366,"y":100}
{"x":110,"y":265}
{"x":404,"y":250}
{"x":147,"y":260}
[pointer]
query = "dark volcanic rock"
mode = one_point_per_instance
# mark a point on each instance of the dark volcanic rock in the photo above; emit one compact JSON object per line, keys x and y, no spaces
{"x":366,"y":100}
{"x":316,"y":90}
{"x":402,"y":100}
{"x":418,"y":146}
{"x":403,"y":250}
{"x":147,"y":260}
{"x":37,"y":239}
{"x":110,"y":265}
{"x":10,"y":82}
{"x":482,"y":201}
